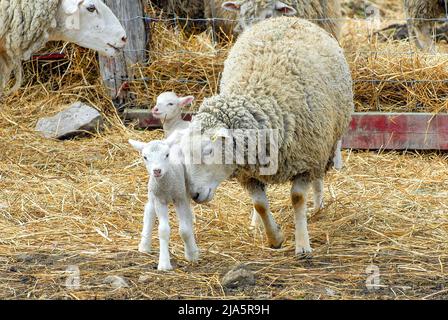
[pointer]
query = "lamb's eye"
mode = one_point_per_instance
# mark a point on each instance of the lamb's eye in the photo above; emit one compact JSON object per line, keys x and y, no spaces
{"x":170,"y":104}
{"x":146,"y":158}
{"x":167,"y":155}
{"x":91,"y":8}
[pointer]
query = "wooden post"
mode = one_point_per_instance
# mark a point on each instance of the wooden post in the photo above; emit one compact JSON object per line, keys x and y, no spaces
{"x":115,"y":71}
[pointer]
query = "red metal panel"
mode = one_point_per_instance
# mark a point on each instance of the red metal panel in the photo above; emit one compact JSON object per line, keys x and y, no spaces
{"x":398,"y":131}
{"x":49,"y":56}
{"x":370,"y":130}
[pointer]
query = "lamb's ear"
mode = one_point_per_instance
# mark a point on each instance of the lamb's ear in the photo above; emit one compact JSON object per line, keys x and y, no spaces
{"x":284,"y":9}
{"x":185,"y":101}
{"x":137,"y":145}
{"x":231,"y":6}
{"x":71,"y":6}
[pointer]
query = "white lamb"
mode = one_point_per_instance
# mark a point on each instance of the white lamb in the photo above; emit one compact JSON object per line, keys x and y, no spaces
{"x":169,"y":110}
{"x":25,"y":26}
{"x":166,"y":185}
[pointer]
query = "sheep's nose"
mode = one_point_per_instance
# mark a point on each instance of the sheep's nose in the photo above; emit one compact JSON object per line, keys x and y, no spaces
{"x":124,"y":39}
{"x":157,"y":172}
{"x":155,"y":110}
{"x":196,"y":196}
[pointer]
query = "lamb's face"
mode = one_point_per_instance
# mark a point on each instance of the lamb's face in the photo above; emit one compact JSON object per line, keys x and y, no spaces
{"x":169,"y":105}
{"x":250,"y":12}
{"x":155,"y":155}
{"x":205,"y":164}
{"x":90,"y":24}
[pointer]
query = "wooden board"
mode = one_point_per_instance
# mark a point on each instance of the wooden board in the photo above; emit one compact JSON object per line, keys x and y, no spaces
{"x":115,"y":71}
{"x":370,"y":130}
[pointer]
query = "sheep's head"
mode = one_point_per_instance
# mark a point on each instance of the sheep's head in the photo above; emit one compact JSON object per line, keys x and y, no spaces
{"x":156,"y":155}
{"x":208,"y":161}
{"x":254,"y":11}
{"x":90,"y":24}
{"x":169,"y":105}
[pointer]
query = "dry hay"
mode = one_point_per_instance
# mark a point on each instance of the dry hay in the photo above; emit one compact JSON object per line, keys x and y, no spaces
{"x":79,"y":203}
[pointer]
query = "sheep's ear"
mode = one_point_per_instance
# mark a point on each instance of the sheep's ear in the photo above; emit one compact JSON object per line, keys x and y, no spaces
{"x":137,"y":145}
{"x":71,"y":6}
{"x":222,"y":133}
{"x":231,"y":6}
{"x":186,"y":101}
{"x":284,"y":9}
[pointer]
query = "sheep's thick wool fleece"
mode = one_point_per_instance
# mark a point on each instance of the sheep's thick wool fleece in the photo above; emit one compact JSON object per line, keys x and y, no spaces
{"x":286,"y":74}
{"x":24,"y":28}
{"x":425,"y":9}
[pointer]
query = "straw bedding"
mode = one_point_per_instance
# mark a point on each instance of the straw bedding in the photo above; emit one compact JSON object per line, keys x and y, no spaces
{"x":79,"y":203}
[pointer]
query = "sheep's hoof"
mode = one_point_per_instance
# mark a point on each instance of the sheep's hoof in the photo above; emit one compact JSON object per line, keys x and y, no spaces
{"x":144,"y":248}
{"x":163,"y":266}
{"x":303,"y":252}
{"x":277,"y":243}
{"x":192,"y":256}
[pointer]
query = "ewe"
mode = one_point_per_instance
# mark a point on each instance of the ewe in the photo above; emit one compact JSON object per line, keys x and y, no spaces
{"x":25,"y":26}
{"x":326,"y":14}
{"x":286,"y":76}
{"x":166,"y":185}
{"x":169,"y":110}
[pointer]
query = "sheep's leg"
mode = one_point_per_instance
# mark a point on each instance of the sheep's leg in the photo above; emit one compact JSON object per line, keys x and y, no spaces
{"x":298,"y":196}
{"x":424,"y":40}
{"x":337,"y":160}
{"x":256,"y":219}
{"x":186,"y":230}
{"x":261,"y":204}
{"x":164,"y":237}
{"x":148,"y":224}
{"x":318,"y":193}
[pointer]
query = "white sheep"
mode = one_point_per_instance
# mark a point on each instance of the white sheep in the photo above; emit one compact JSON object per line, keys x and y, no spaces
{"x":288,"y":78}
{"x":25,"y":26}
{"x":421,"y":19}
{"x":168,"y":109}
{"x":327,"y":14}
{"x":166,"y":185}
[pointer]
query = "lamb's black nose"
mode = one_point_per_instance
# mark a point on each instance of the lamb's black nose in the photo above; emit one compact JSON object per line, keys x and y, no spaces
{"x":196,"y":196}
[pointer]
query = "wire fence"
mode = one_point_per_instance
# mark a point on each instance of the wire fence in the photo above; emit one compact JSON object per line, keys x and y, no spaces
{"x":369,"y":22}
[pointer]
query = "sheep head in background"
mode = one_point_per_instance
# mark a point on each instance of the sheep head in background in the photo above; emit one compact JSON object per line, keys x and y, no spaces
{"x":88,"y":23}
{"x":258,"y":10}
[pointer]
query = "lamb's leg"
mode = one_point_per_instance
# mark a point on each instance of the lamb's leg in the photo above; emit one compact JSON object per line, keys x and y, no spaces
{"x":148,"y":224}
{"x":337,"y":160}
{"x":298,"y":196}
{"x":164,"y":236}
{"x":318,"y":193}
{"x":186,"y":230}
{"x":261,"y":204}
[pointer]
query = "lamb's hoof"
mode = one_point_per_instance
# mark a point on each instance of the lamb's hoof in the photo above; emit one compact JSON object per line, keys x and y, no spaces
{"x":303,"y":252}
{"x":164,"y":266}
{"x":192,"y":256}
{"x":144,"y":248}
